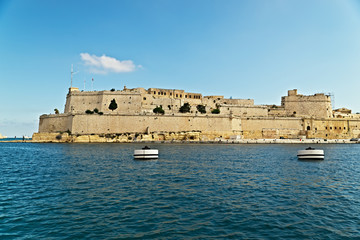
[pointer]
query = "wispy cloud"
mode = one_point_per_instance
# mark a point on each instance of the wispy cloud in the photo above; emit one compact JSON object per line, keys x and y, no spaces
{"x":105,"y":64}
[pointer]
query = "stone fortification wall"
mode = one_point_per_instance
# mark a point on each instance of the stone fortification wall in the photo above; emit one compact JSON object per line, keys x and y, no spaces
{"x":79,"y":102}
{"x":276,"y":111}
{"x":318,"y":105}
{"x":244,"y":110}
{"x":141,"y":101}
{"x":332,"y":128}
{"x":298,"y":116}
{"x":55,"y":123}
{"x":271,"y":127}
{"x":118,"y":123}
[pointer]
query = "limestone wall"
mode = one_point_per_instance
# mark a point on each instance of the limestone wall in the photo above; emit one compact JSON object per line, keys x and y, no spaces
{"x":244,"y":110}
{"x":79,"y":102}
{"x":271,"y":127}
{"x":118,"y":123}
{"x":55,"y":123}
{"x":318,"y":105}
{"x":332,"y":128}
{"x":298,"y":116}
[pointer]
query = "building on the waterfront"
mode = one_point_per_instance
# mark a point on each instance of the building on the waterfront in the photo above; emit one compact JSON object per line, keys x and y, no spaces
{"x":205,"y":118}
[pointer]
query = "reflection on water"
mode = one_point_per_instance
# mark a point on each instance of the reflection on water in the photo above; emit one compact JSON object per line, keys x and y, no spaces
{"x":191,"y":191}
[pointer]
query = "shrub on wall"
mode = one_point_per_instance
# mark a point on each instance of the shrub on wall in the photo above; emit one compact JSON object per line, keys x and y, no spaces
{"x":159,"y":110}
{"x":89,"y":112}
{"x":96,"y":110}
{"x":215,"y":111}
{"x":113,"y":90}
{"x":201,"y":108}
{"x":113,"y":105}
{"x":185,"y":108}
{"x":56,"y":111}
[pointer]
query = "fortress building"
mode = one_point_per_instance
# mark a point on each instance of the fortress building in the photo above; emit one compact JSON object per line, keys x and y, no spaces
{"x":172,"y":114}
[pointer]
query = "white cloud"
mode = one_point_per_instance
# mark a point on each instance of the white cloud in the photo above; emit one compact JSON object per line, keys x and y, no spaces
{"x":105,"y":64}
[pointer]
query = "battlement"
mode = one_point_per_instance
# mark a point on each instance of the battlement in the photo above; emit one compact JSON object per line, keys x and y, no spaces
{"x":317,"y":105}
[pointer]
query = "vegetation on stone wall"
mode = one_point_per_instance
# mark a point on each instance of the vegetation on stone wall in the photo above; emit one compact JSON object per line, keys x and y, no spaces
{"x":185,"y":108}
{"x":201,"y":108}
{"x":113,"y":105}
{"x":94,"y":111}
{"x":159,"y":110}
{"x":215,"y":111}
{"x":56,"y":111}
{"x":112,"y":90}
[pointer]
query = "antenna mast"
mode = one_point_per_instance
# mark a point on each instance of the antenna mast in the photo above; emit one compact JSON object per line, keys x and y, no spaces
{"x":72,"y":73}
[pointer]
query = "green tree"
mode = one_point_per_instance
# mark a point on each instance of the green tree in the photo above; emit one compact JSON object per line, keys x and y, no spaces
{"x":159,"y":110}
{"x":185,"y":108}
{"x":215,"y":111}
{"x":201,"y":108}
{"x":113,"y":105}
{"x":56,"y":111}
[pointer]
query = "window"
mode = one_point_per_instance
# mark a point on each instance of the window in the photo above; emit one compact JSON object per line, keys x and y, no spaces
{"x":330,"y":128}
{"x":170,"y":94}
{"x":144,"y":98}
{"x":326,"y":128}
{"x":158,"y":93}
{"x":154,"y":92}
{"x":334,"y":127}
{"x":308,"y":128}
{"x":181,"y":95}
{"x":164,"y":93}
{"x":185,"y":96}
{"x":176,"y":95}
{"x":344,"y":128}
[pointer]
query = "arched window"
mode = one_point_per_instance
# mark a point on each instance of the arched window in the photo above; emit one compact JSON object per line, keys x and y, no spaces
{"x":308,"y":128}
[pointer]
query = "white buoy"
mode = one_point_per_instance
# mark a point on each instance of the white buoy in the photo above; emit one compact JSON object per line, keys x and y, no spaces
{"x":311,"y":153}
{"x":146,"y":153}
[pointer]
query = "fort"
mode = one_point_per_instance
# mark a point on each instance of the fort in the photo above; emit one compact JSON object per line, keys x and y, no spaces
{"x":157,"y":114}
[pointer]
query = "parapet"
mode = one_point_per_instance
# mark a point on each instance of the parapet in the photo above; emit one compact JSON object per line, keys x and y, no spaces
{"x":74,"y":89}
{"x":292,"y":92}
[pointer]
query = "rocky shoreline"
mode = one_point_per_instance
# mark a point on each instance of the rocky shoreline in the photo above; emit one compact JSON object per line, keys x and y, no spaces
{"x":225,"y":141}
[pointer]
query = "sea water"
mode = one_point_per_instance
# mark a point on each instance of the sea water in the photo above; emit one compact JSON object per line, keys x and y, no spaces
{"x":193,"y":191}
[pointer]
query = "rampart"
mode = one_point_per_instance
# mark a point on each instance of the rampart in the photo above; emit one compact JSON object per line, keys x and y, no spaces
{"x":88,"y":113}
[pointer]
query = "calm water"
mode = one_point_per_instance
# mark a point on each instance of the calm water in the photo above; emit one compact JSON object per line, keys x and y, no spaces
{"x":97,"y":191}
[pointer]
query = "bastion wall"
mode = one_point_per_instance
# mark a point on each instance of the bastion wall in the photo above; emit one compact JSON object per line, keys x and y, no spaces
{"x":318,"y":105}
{"x":121,"y":123}
{"x":298,"y":116}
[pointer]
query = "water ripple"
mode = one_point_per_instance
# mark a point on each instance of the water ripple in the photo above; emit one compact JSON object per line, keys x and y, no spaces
{"x":97,"y":191}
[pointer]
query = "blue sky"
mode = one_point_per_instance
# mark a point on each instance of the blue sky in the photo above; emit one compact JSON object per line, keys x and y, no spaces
{"x":245,"y":49}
